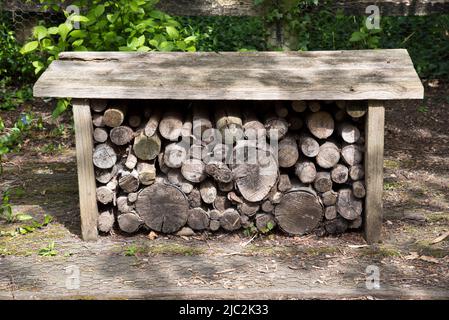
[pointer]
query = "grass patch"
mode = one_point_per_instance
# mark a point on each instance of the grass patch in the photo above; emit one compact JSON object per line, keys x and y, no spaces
{"x":424,"y":247}
{"x":388,"y":186}
{"x":438,"y":217}
{"x":380,"y":252}
{"x":391,"y":164}
{"x":163,"y":249}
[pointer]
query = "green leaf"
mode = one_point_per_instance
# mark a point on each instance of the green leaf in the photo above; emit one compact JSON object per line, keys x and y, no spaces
{"x":40,"y":32}
{"x":166,"y":46}
{"x":140,"y":41}
{"x":53,"y":30}
{"x":38,"y":66}
{"x":190,"y":39}
{"x":23,"y":217}
{"x":64,"y":29}
{"x":78,"y":18}
{"x":357,"y":36}
{"x":172,"y":32}
{"x":99,"y":10}
{"x":29,"y":47}
{"x":78,"y":34}
{"x":61,"y":106}
{"x":77,"y":43}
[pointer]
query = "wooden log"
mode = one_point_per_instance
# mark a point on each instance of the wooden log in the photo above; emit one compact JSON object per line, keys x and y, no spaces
{"x":131,"y":160}
{"x":234,"y":198}
{"x":358,"y":189}
{"x":356,"y":109}
{"x":97,"y":120}
{"x":129,"y":222}
{"x":229,"y":122}
{"x":104,"y":156}
{"x":299,"y":212}
{"x":309,"y":146}
{"x":194,"y":198}
{"x":336,"y":226}
{"x":121,"y":135}
{"x":98,"y":105}
{"x":374,"y":133}
{"x":252,"y":127}
{"x":104,"y":195}
{"x":280,"y":109}
{"x":321,"y":124}
{"x":352,"y":154}
{"x":356,"y":223}
{"x":340,"y":173}
{"x":267,"y":206}
{"x":225,"y":187}
{"x":356,"y":172}
{"x":222,"y":203}
{"x":135,"y":120}
{"x":132,"y":197}
{"x":147,"y":173}
{"x":330,"y":212}
{"x":100,"y":135}
{"x":208,"y":191}
{"x":214,"y":225}
{"x":162,"y":166}
{"x":348,"y":206}
{"x":170,"y":126}
{"x":219,"y":171}
{"x":123,"y":205}
{"x":340,"y":115}
{"x":186,"y":131}
{"x":230,"y":220}
{"x":175,"y":155}
{"x":215,"y":214}
{"x":248,"y":208}
{"x":265,"y":222}
{"x":299,"y":106}
{"x":284,"y":183}
{"x":106,"y":221}
{"x":153,"y":123}
{"x":349,"y":132}
{"x":115,"y":115}
{"x":201,"y":120}
{"x":323,"y":182}
{"x":314,"y":106}
{"x":176,"y":178}
{"x":194,"y":170}
{"x":329,"y":198}
{"x":147,"y":148}
{"x":104,"y":175}
{"x":198,"y":219}
{"x":288,"y":152}
{"x":163,"y":207}
{"x":295,"y":122}
{"x":129,"y":181}
{"x":255,"y":181}
{"x":305,"y":171}
{"x":276,"y":128}
{"x":328,"y":155}
{"x":196,"y":151}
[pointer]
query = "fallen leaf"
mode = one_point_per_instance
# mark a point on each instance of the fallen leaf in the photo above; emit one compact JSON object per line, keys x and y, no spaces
{"x":440,"y":238}
{"x":152,"y":235}
{"x":412,"y":256}
{"x":429,"y":259}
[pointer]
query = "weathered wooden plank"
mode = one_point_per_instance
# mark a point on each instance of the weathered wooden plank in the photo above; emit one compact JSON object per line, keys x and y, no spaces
{"x":328,"y":75}
{"x":374,"y":151}
{"x":86,"y":176}
{"x":248,"y":8}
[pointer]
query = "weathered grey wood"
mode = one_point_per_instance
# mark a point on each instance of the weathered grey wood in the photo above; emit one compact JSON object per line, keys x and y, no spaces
{"x":374,"y":151}
{"x":86,"y":175}
{"x":319,"y":75}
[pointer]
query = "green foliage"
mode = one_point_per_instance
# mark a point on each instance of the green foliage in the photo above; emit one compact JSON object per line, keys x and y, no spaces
{"x":124,"y":25}
{"x":10,"y":98}
{"x":48,"y":251}
{"x":226,"y":33}
{"x":14,"y":67}
{"x":12,"y":139}
{"x":6,"y":211}
{"x":131,"y":251}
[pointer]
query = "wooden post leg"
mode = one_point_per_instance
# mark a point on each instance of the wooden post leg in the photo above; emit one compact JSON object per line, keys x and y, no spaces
{"x":86,"y":176}
{"x":374,"y":154}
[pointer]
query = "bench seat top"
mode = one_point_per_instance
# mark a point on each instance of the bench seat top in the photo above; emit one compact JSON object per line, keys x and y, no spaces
{"x":314,"y":75}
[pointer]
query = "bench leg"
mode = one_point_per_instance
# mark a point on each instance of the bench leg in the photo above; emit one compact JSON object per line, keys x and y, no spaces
{"x":86,"y":177}
{"x":374,"y":153}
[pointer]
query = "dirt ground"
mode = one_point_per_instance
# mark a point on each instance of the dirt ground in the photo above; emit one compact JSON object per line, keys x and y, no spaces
{"x":42,"y":178}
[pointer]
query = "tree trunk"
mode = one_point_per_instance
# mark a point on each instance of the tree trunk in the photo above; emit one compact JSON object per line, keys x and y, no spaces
{"x":193,"y":170}
{"x":328,"y":156}
{"x":329,"y":198}
{"x":349,"y":132}
{"x":358,"y":188}
{"x":340,"y":173}
{"x":121,"y":135}
{"x":129,"y":222}
{"x":356,"y":172}
{"x":147,"y":148}
{"x":309,"y":146}
{"x":288,"y":152}
{"x":198,"y":219}
{"x":305,"y":171}
{"x":114,"y":116}
{"x":323,"y":182}
{"x":230,"y":220}
{"x":104,"y":156}
{"x":105,"y":195}
{"x":100,"y":135}
{"x":208,"y":191}
{"x":170,"y":126}
{"x":321,"y":124}
{"x":348,"y":206}
{"x":352,"y":154}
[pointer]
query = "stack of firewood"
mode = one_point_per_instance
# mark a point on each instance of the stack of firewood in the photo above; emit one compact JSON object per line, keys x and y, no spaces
{"x":210,"y":165}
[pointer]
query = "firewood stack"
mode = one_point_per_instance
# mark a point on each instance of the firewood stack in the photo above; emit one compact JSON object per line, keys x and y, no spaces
{"x":210,"y":165}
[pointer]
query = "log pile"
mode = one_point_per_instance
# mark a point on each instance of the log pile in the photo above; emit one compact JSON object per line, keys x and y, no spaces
{"x":164,"y":165}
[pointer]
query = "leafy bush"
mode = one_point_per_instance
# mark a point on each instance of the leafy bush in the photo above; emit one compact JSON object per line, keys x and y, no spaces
{"x":125,"y":25}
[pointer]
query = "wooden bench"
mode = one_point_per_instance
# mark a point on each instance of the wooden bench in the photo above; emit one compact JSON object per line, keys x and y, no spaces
{"x":376,"y":76}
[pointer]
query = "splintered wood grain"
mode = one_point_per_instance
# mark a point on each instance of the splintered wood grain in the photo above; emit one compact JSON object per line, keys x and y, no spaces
{"x":319,"y":75}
